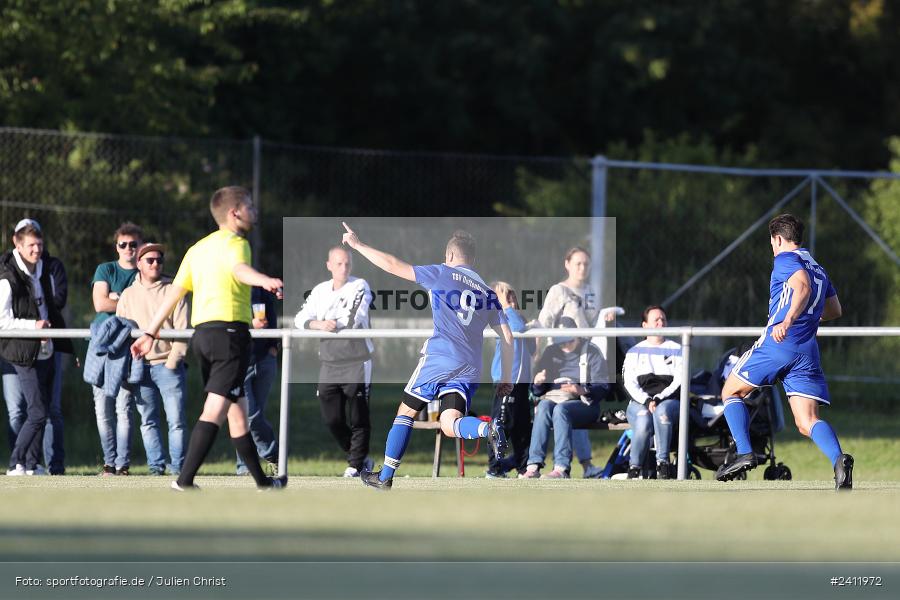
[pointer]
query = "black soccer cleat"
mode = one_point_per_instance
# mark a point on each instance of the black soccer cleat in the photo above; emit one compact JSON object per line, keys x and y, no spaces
{"x":275,"y":483}
{"x":741,"y":464}
{"x":843,"y":473}
{"x":497,"y":439}
{"x":373,"y":480}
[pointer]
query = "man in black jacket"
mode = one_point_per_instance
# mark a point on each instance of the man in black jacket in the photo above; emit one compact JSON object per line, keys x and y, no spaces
{"x":26,"y":302}
{"x":54,"y":448}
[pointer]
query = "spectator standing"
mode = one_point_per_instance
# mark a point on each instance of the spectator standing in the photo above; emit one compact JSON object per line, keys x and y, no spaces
{"x":114,"y":413}
{"x":574,"y":299}
{"x":26,"y":302}
{"x":54,"y":446}
{"x":164,"y":380}
{"x":258,"y":382}
{"x":345,"y":376}
{"x":513,"y":412}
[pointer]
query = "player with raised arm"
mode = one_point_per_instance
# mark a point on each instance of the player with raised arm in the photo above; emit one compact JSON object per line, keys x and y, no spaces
{"x":217,"y":270}
{"x":462,"y":305}
{"x":801,"y":295}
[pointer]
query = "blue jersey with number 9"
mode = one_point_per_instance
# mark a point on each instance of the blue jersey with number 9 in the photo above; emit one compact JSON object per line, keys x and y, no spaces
{"x":780,"y":295}
{"x":462,"y":305}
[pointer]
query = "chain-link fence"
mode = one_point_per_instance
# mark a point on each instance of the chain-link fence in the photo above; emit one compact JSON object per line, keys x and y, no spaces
{"x":673,"y":223}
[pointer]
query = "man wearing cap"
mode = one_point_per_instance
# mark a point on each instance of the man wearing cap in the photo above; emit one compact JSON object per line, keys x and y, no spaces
{"x":26,"y":302}
{"x":165,"y":378}
{"x":568,"y":380}
{"x":114,"y":414}
{"x":54,"y":450}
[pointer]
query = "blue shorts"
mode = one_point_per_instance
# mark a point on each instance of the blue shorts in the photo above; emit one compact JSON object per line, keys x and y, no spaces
{"x":435,"y":377}
{"x":799,"y":369}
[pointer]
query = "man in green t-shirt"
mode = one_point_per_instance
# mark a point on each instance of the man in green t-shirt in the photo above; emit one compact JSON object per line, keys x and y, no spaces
{"x":217,"y":271}
{"x":114,"y":413}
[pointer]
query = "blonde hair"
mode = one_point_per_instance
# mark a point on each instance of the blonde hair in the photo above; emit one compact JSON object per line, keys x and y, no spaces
{"x":226,"y":199}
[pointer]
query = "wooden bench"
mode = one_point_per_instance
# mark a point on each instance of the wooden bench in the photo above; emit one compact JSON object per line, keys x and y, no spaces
{"x":436,"y":466}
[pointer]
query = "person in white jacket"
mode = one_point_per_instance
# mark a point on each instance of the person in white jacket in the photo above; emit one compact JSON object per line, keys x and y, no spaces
{"x":345,"y":376}
{"x":652,"y":377}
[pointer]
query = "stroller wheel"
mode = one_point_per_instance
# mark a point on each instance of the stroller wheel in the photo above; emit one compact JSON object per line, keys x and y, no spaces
{"x":779,"y":471}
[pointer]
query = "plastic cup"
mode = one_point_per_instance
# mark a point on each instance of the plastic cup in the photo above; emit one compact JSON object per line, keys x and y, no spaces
{"x":259,"y":311}
{"x":434,"y":408}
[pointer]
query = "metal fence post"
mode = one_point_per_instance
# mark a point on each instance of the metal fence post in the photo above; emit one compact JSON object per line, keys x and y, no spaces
{"x":257,"y":166}
{"x":684,"y":418}
{"x":812,"y":217}
{"x":284,"y":408}
{"x":598,"y":228}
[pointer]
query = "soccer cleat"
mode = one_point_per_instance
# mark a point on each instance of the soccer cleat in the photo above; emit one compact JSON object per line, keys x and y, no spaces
{"x":275,"y":483}
{"x":741,"y":464}
{"x":593,"y":472}
{"x":634,"y":472}
{"x":122,"y":471}
{"x":107,"y":471}
{"x":556,"y":474}
{"x":184,"y":488}
{"x":17,"y":471}
{"x":372,"y":479}
{"x":497,"y":438}
{"x":843,"y":473}
{"x":663,"y":470}
{"x":351,"y":472}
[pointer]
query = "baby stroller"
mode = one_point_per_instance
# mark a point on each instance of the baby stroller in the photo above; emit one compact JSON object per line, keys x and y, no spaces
{"x":710,"y":443}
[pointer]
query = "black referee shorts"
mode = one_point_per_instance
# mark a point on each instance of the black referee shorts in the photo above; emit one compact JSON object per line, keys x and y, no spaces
{"x":223,"y":351}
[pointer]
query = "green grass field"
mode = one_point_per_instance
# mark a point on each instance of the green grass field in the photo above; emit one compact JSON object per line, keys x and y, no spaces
{"x":319,"y":518}
{"x":323,"y":517}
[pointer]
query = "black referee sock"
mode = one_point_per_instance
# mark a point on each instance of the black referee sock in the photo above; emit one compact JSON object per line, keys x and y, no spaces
{"x":247,"y":451}
{"x":202,"y":439}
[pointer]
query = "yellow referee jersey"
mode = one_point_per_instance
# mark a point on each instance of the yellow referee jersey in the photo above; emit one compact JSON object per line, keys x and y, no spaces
{"x":207,"y":271}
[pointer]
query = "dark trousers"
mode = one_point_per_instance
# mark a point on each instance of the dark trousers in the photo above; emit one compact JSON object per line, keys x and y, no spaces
{"x":516,"y":420}
{"x":345,"y":411}
{"x":37,"y":389}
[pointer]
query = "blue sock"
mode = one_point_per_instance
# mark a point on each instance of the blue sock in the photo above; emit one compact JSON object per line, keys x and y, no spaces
{"x":395,"y":447}
{"x":469,"y":428}
{"x":738,"y":418}
{"x":826,"y":439}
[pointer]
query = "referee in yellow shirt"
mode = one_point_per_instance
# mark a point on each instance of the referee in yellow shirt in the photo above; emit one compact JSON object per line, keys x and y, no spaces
{"x":217,"y":270}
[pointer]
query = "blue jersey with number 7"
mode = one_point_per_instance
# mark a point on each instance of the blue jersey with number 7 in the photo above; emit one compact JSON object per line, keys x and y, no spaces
{"x":780,"y":295}
{"x":462,"y":305}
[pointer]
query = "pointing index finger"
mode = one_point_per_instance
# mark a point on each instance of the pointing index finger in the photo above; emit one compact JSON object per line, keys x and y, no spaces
{"x":347,"y":227}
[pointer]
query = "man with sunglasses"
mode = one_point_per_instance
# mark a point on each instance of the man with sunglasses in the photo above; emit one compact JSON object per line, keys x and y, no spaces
{"x":164,"y":379}
{"x":114,"y":414}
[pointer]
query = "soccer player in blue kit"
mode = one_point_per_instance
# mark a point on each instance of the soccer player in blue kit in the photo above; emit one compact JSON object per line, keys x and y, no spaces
{"x":801,"y":295}
{"x":462,"y":304}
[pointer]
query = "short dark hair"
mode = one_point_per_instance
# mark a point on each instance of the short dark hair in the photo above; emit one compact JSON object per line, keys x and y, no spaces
{"x":29,"y":229}
{"x":652,"y":307}
{"x":129,"y":228}
{"x":787,"y":226}
{"x":225,"y":199}
{"x":463,"y":244}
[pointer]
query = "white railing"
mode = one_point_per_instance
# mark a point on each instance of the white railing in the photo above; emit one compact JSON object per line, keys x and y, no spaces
{"x":286,"y":335}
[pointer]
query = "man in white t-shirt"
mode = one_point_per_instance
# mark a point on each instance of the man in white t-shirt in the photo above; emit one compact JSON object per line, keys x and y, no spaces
{"x":345,"y":376}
